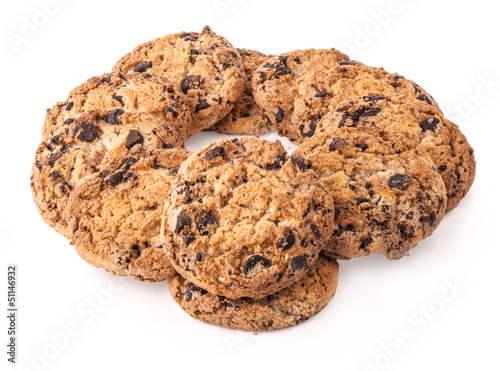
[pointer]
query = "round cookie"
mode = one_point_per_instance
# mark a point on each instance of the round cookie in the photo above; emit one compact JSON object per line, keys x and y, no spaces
{"x":83,"y":146}
{"x":288,"y":307}
{"x":244,"y":219}
{"x":439,"y":138}
{"x":203,"y":66}
{"x":145,"y":93}
{"x":296,"y":102}
{"x":246,"y":118}
{"x":389,"y":196}
{"x":115,"y":215}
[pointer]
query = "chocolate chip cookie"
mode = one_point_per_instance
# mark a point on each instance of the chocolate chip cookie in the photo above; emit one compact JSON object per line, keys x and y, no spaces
{"x":288,"y":307}
{"x":244,"y":219}
{"x":145,"y":93}
{"x":389,"y":195}
{"x":246,"y":118}
{"x":439,"y":138}
{"x":203,"y":66}
{"x":115,"y":215}
{"x":296,"y":101}
{"x":85,"y":144}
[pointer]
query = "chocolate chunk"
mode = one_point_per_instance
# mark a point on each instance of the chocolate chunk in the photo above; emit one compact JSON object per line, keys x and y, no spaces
{"x":119,"y":99}
{"x":134,"y":137}
{"x":315,"y":231}
{"x":430,"y":124}
{"x":362,"y":146}
{"x":199,"y":257}
{"x":364,"y":244}
{"x":115,"y":179}
{"x":113,"y":118}
{"x":143,"y":66}
{"x":276,"y":165}
{"x":299,"y":262}
{"x":129,"y":162}
{"x":188,"y":237}
{"x":424,"y":98}
{"x":287,"y":240}
{"x":442,"y":168}
{"x":321,"y":94}
{"x":253,"y":261}
{"x":372,"y":112}
{"x":69,"y":106}
{"x":188,"y":295}
{"x":213,"y":152}
{"x":279,"y":115}
{"x":166,"y":145}
{"x":202,"y":105}
{"x":53,"y":157}
{"x":400,"y":181}
{"x":172,"y":109}
{"x":190,"y":82}
{"x":312,"y":130}
{"x":428,"y":219}
{"x":68,"y":121}
{"x":336,"y":143}
{"x":367,"y":98}
{"x":243,"y":52}
{"x":87,"y":132}
{"x":203,"y":219}
{"x":183,"y":221}
{"x":282,"y":70}
{"x":349,"y":63}
{"x":300,"y":163}
{"x":55,"y":174}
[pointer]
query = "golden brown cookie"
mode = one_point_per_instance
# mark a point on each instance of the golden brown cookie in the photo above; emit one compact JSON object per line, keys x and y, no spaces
{"x":244,"y":219}
{"x":115,"y":215}
{"x":288,"y":307}
{"x":85,"y":144}
{"x":145,"y":93}
{"x":439,"y":138}
{"x":296,"y":101}
{"x":203,"y":66}
{"x":389,"y":196}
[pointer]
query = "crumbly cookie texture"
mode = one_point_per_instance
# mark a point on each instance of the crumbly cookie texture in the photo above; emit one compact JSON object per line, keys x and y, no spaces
{"x":244,"y":219}
{"x":246,"y":118}
{"x":297,"y":99}
{"x":145,"y":93}
{"x":203,"y":66}
{"x":439,"y":138}
{"x":85,"y":144}
{"x":115,"y":215}
{"x":288,"y":307}
{"x":389,"y":195}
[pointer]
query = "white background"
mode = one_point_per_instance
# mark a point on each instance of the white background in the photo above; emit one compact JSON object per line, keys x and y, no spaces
{"x":448,"y":47}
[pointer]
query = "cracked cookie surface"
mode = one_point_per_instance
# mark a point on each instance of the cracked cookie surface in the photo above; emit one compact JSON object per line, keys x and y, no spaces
{"x":115,"y":215}
{"x":145,"y":93}
{"x":288,"y":307}
{"x":246,"y":118}
{"x":439,"y":138}
{"x":203,"y":66}
{"x":244,"y":219}
{"x":389,"y":196}
{"x":83,"y":146}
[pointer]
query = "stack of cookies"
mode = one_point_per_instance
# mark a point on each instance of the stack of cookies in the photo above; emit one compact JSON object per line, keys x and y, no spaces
{"x":247,"y":235}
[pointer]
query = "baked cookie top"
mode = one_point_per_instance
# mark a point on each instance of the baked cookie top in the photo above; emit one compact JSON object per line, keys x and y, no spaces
{"x":145,"y":93}
{"x":203,"y":66}
{"x":439,"y":138}
{"x":296,"y":102}
{"x":288,"y":307}
{"x":246,"y":118}
{"x":389,"y":196}
{"x":244,"y":219}
{"x":85,"y":144}
{"x":115,"y":215}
